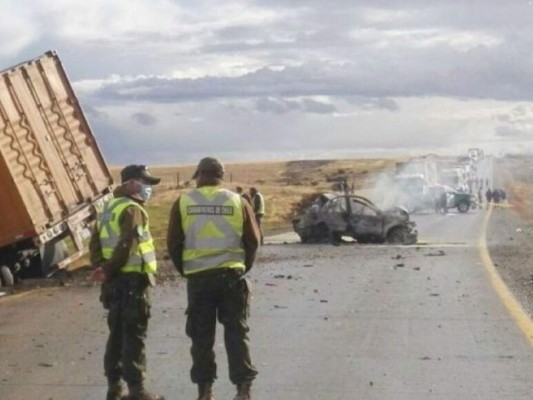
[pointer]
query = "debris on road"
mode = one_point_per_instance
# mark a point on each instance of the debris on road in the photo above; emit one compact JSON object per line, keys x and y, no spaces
{"x":48,"y":365}
{"x":437,"y":254}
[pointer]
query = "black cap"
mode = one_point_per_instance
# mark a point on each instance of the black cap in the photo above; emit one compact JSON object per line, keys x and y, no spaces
{"x":139,"y":172}
{"x":212,"y":166}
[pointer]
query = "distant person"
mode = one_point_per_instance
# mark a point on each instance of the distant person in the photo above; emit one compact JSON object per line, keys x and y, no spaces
{"x":496,"y":195}
{"x":503,"y":195}
{"x":212,"y":240}
{"x":443,"y":202}
{"x":344,"y":187}
{"x":480,"y":198}
{"x":123,"y":251}
{"x":488,"y":196}
{"x":258,"y":205}
{"x":245,"y":196}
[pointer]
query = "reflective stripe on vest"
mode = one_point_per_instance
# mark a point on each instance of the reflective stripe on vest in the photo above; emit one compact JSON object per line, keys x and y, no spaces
{"x":144,"y":259}
{"x":212,"y":220}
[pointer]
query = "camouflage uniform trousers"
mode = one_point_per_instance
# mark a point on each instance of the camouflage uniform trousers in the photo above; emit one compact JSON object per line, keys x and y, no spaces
{"x":127,"y":299}
{"x":227,"y":295}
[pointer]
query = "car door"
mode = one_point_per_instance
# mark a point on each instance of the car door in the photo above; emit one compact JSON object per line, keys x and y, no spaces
{"x":335,"y":214}
{"x":365,"y":221}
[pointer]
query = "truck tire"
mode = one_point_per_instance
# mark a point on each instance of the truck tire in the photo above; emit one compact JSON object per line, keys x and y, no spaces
{"x":463,"y":207}
{"x":7,"y":276}
{"x":52,"y":253}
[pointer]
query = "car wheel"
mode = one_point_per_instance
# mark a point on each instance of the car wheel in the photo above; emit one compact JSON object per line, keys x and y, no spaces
{"x":305,"y":236}
{"x":7,"y":276}
{"x":398,"y":235}
{"x":463,"y":207}
{"x":321,"y":233}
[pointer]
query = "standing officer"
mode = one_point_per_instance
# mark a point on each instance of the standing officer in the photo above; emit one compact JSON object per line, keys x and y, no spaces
{"x":212,"y":241}
{"x":123,"y":249}
{"x":258,"y":204}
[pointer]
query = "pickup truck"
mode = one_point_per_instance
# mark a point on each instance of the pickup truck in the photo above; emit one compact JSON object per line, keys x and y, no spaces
{"x":52,"y":173}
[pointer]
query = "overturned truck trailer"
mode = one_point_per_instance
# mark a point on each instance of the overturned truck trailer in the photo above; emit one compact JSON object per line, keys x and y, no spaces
{"x":52,"y":173}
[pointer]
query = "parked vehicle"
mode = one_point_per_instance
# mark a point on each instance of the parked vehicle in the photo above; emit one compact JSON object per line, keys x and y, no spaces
{"x":52,"y":173}
{"x":462,"y":201}
{"x":332,"y":216}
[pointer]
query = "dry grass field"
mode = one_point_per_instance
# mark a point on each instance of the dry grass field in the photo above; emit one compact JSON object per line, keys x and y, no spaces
{"x":515,"y":174}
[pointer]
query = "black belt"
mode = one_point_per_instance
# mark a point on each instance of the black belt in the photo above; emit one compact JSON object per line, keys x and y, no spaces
{"x":219,"y":272}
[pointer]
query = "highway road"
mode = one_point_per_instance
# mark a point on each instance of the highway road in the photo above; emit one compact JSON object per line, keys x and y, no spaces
{"x":327,"y":322}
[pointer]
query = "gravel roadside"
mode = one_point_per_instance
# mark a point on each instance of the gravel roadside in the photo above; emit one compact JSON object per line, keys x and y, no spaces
{"x":510,"y":243}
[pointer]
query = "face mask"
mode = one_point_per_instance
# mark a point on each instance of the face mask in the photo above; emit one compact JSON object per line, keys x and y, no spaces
{"x":145,"y":192}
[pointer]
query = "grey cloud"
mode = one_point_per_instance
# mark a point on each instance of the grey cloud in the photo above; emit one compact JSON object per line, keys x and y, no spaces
{"x":317,"y":107}
{"x":276,"y":106}
{"x":518,"y":122}
{"x":144,"y":118}
{"x":503,"y":118}
{"x":283,"y":106}
{"x":479,"y":76}
{"x":508,"y":131}
{"x":94,"y":112}
{"x":363,"y":103}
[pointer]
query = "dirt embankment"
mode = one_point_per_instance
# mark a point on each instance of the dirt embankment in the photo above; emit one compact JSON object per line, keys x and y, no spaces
{"x":510,"y":229}
{"x":510,"y":242}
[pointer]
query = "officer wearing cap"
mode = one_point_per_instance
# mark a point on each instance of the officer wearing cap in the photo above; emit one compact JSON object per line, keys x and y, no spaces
{"x":212,"y":240}
{"x":122,"y":249}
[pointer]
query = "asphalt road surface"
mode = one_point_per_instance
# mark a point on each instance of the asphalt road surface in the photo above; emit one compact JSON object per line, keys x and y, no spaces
{"x":328,"y":322}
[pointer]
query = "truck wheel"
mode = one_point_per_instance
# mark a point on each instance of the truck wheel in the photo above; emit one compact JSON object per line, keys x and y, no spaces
{"x":7,"y":276}
{"x":463,"y":207}
{"x":52,"y":253}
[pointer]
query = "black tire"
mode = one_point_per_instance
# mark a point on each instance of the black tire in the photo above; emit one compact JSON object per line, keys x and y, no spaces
{"x":7,"y":276}
{"x":320,"y":233}
{"x":463,"y":207}
{"x":52,"y":253}
{"x":304,"y":236}
{"x":398,"y":235}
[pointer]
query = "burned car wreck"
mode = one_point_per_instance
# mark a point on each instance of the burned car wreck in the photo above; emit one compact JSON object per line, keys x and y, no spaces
{"x":332,"y":216}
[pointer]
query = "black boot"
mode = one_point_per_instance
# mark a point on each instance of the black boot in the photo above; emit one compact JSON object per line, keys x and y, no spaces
{"x":115,"y":390}
{"x":139,"y":392}
{"x":205,"y":391}
{"x":244,"y":391}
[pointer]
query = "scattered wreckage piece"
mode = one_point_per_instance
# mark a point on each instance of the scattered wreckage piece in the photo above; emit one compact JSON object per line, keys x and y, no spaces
{"x":332,"y":216}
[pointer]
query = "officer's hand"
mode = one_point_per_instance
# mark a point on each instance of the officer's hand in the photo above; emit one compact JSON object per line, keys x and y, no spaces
{"x":99,"y":275}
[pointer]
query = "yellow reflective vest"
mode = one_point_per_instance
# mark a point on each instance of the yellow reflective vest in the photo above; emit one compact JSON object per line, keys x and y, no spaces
{"x":143,"y":260}
{"x":212,"y":220}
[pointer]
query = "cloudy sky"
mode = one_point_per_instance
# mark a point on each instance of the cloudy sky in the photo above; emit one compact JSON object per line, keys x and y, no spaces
{"x":168,"y":81}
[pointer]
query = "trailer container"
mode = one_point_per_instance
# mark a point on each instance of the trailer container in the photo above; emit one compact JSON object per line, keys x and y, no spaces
{"x":52,"y":173}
